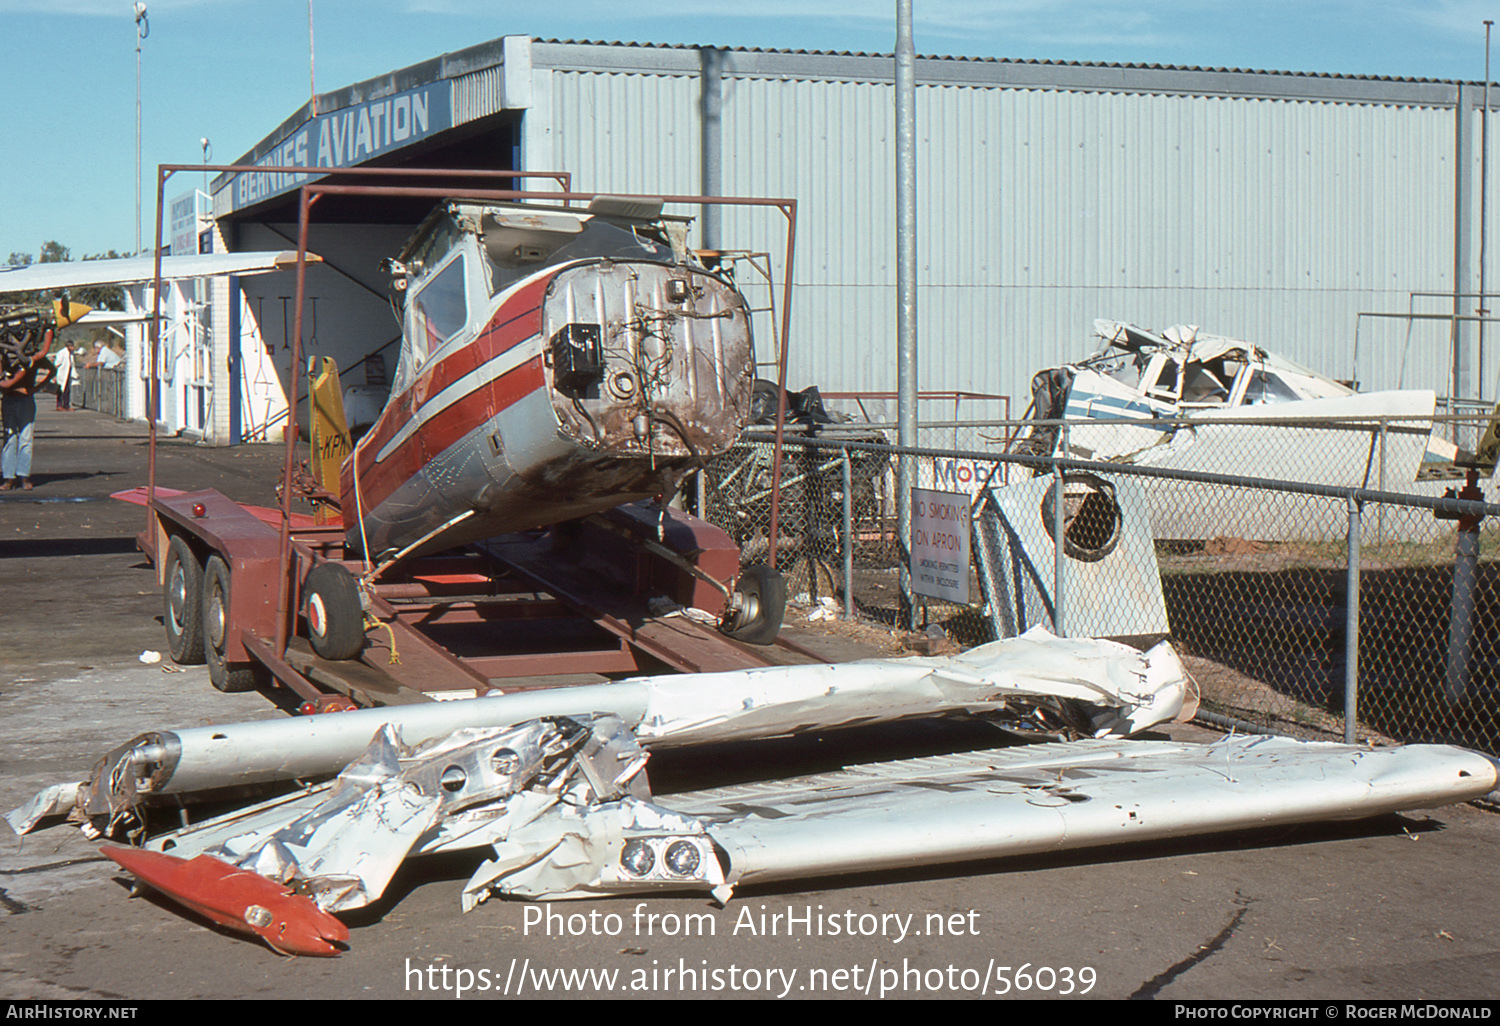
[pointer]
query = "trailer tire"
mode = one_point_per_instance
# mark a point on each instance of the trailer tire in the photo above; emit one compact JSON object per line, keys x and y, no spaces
{"x":228,"y":677}
{"x":182,"y":603}
{"x":755,"y":617}
{"x":335,"y":616}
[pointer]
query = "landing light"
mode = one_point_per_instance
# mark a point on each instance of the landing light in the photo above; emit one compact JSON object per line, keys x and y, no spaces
{"x":637,"y":858}
{"x":682,"y":858}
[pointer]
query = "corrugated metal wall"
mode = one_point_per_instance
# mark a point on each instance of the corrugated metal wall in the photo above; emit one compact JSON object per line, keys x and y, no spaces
{"x":1274,"y":220}
{"x":627,"y":133}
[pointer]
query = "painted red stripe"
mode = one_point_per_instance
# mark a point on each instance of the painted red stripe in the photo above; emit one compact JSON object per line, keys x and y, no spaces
{"x":381,"y":481}
{"x":517,"y":319}
{"x":514,"y":322}
{"x":396,"y":413}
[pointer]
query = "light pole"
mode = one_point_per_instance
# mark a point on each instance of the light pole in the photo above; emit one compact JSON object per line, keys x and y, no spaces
{"x":142,"y":30}
{"x":1484,"y":202}
{"x":312,"y":74}
{"x":906,"y":293}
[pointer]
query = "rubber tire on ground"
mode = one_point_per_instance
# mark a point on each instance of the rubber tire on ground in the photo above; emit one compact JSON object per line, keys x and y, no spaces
{"x":335,"y":617}
{"x":763,"y":591}
{"x":228,"y":677}
{"x":182,"y":603}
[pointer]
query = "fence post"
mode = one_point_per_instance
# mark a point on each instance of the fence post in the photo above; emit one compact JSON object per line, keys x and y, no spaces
{"x":1351,"y":626}
{"x":1461,"y":613}
{"x":1380,"y":510}
{"x":848,"y":537}
{"x":906,"y":466}
{"x":1059,"y":546}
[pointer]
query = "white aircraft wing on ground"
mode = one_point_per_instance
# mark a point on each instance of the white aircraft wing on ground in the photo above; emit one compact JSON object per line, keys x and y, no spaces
{"x":555,"y":784}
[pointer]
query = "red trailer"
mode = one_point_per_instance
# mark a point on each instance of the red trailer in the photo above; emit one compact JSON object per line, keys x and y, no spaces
{"x":561,"y":366}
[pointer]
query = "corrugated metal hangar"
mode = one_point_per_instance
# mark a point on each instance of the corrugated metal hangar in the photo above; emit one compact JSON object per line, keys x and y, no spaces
{"x":1269,"y":206}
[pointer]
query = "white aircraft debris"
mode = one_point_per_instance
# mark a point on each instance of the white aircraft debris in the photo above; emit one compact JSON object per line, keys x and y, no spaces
{"x":554,"y":785}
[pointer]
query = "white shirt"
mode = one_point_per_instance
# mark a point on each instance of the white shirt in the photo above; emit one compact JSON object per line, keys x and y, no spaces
{"x":63,"y":361}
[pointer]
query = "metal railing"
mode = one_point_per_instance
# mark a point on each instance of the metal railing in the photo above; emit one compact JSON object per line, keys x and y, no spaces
{"x":102,"y":390}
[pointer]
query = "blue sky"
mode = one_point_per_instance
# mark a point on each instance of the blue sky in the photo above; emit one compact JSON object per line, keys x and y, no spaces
{"x":231,"y":70}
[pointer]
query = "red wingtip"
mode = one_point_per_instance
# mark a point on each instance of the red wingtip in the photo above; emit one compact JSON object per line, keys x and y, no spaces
{"x":239,"y":900}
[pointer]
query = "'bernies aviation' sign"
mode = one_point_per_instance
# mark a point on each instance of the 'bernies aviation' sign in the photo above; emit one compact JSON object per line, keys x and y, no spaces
{"x":347,"y":137}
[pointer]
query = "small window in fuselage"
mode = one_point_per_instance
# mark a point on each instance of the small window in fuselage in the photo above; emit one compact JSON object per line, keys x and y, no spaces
{"x":444,"y":302}
{"x":436,"y":311}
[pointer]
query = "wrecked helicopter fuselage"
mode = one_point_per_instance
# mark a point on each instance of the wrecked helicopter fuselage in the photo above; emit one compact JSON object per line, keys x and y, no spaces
{"x":1190,"y":400}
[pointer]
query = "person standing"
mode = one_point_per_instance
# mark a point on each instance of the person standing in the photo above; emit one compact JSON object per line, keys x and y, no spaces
{"x":19,"y":381}
{"x":64,"y":379}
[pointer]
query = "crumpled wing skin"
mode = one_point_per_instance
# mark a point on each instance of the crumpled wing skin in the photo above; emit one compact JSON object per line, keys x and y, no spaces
{"x":1124,"y":691}
{"x":564,"y":804}
{"x":55,"y":800}
{"x":563,"y":807}
{"x":975,"y":805}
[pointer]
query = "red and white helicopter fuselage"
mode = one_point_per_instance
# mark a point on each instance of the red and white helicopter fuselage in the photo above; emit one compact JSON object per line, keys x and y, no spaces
{"x":555,"y":363}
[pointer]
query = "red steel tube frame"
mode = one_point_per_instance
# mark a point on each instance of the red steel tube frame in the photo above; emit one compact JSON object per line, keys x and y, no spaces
{"x":165,"y":171}
{"x":308,"y":194}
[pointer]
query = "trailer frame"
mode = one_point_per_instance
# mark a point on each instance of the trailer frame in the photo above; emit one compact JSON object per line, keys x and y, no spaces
{"x":252,"y":636}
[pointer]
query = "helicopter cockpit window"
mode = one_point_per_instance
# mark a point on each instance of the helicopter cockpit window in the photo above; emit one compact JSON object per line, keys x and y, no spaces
{"x":1267,"y":387}
{"x":437,"y":311}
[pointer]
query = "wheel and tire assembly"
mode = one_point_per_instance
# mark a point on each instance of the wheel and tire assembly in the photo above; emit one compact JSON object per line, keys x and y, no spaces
{"x":182,"y":603}
{"x":757,"y":607}
{"x":335,"y":616}
{"x":226,"y":676}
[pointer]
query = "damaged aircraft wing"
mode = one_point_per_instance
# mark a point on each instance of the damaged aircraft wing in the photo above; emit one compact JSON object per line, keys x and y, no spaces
{"x":554,"y":786}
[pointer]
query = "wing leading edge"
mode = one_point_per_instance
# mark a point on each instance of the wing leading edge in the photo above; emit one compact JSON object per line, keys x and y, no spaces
{"x":134,"y":270}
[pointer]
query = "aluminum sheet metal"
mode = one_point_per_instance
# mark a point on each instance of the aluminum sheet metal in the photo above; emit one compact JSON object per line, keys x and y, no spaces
{"x":1055,"y":797}
{"x":1112,"y":583}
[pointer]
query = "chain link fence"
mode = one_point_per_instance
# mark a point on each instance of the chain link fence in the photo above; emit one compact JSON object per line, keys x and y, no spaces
{"x":1251,"y":579}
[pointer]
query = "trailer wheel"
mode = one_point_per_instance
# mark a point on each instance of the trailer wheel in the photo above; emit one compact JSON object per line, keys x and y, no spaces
{"x":182,"y":603}
{"x":335,"y":617}
{"x":758,"y":606}
{"x":224,"y":675}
